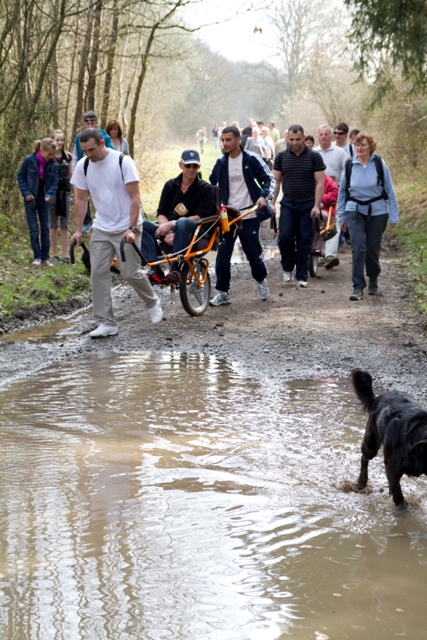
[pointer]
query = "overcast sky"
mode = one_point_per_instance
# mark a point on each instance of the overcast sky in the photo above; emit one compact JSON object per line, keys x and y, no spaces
{"x":235,"y":39}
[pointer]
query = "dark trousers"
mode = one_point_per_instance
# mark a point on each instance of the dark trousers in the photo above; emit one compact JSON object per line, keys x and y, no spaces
{"x":184,"y":230}
{"x":251,"y":245}
{"x":39,"y":237}
{"x":366,"y":233}
{"x":295,"y":226}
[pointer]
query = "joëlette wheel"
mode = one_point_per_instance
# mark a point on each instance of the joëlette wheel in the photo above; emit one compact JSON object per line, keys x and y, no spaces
{"x":314,"y":264}
{"x":195,"y":297}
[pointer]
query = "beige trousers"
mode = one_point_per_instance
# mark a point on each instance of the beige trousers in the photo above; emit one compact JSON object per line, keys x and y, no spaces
{"x":103,"y":247}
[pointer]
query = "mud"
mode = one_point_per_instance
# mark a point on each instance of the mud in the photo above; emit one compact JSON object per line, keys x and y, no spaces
{"x":296,"y":334}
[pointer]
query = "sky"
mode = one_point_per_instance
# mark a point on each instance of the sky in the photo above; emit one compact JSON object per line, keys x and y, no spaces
{"x":235,"y":39}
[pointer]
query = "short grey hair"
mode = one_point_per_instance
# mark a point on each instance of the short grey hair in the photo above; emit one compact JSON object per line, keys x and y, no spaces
{"x":325,"y":126}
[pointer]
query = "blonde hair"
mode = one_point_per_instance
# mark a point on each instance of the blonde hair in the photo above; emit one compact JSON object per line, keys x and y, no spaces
{"x":46,"y":144}
{"x":371,"y":142}
{"x":52,"y":134}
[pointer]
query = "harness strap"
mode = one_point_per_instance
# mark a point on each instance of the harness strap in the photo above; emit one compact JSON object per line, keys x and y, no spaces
{"x":367,"y":202}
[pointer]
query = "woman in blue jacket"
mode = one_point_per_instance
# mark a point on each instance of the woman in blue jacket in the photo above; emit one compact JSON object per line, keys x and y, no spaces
{"x":366,"y":203}
{"x":38,"y":181}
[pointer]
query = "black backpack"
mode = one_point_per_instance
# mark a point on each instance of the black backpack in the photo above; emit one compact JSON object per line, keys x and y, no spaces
{"x":380,"y":181}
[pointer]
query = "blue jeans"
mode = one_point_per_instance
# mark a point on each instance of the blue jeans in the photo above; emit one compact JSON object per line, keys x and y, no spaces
{"x":184,"y":230}
{"x":251,"y":245}
{"x":295,"y":226}
{"x":366,"y":233}
{"x":40,"y":244}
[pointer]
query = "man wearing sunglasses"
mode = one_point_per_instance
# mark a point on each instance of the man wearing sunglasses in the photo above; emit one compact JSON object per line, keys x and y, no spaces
{"x":91,"y":122}
{"x":185,"y":200}
{"x":341,"y":139}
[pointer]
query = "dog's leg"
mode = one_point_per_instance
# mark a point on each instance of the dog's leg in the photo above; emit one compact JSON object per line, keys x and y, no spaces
{"x":363,"y":476}
{"x":394,"y":485}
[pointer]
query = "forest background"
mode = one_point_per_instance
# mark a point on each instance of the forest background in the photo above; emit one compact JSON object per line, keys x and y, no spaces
{"x":152,"y":65}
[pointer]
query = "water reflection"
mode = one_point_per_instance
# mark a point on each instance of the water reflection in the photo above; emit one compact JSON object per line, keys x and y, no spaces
{"x":167,"y":496}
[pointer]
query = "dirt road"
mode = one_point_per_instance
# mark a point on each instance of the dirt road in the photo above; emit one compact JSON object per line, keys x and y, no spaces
{"x":295,"y":334}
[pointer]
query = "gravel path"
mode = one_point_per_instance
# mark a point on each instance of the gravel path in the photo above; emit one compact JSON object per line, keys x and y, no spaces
{"x":295,"y":334}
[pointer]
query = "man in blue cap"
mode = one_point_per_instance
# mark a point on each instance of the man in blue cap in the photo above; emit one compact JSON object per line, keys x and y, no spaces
{"x":185,"y":200}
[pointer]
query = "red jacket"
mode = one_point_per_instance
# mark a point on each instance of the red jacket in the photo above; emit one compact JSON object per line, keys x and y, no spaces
{"x":330,"y":194}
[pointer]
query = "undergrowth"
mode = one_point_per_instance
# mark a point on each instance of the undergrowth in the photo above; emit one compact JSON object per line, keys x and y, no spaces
{"x":412,"y":233}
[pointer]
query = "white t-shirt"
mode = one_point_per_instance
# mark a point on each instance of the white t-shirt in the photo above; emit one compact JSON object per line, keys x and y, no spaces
{"x":334,"y":159}
{"x":238,"y":196}
{"x":106,"y":186}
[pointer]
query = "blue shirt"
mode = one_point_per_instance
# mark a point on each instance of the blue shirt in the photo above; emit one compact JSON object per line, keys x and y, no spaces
{"x":363,"y":186}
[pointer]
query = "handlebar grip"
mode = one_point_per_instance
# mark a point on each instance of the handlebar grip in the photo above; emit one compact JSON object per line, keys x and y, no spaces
{"x":123,"y":255}
{"x":72,"y":245}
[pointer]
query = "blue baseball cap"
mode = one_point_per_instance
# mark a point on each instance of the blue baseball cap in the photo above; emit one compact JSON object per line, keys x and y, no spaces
{"x":189,"y":156}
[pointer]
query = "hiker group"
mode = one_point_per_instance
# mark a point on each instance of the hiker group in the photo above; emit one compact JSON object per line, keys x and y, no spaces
{"x":256,"y":166}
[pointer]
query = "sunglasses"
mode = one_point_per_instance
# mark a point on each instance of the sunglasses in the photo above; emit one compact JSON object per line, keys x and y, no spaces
{"x":90,"y":120}
{"x":339,"y":133}
{"x":191,"y":166}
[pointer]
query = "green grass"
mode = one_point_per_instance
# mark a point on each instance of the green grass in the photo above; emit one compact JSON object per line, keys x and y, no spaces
{"x":412,"y":233}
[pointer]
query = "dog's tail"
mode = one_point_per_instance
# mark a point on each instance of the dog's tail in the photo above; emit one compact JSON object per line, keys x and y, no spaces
{"x":362,"y":384}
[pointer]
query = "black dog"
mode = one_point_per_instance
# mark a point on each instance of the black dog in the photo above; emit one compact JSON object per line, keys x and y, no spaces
{"x":397,"y":423}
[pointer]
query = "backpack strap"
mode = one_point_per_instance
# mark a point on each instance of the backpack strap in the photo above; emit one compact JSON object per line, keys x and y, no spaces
{"x":348,"y":169}
{"x":380,"y":182}
{"x":121,"y":156}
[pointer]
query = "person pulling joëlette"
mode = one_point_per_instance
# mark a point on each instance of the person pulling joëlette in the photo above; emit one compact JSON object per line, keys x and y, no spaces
{"x":244,"y":179}
{"x":113,"y":183}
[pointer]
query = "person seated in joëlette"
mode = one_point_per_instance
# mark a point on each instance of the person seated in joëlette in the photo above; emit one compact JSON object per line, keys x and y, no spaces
{"x":184,"y":201}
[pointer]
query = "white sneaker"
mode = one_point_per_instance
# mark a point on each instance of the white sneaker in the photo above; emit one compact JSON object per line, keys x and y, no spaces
{"x":302,"y":283}
{"x":264,"y":291}
{"x":103,"y":331}
{"x":156,"y":312}
{"x":287,"y":276}
{"x":220,"y":298}
{"x":37,"y":262}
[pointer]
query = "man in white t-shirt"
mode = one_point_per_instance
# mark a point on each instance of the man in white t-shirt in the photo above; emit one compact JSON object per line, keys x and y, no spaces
{"x":113,"y":183}
{"x":244,"y":179}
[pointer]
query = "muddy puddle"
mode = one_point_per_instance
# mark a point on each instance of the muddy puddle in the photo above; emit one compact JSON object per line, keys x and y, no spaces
{"x":156,"y":496}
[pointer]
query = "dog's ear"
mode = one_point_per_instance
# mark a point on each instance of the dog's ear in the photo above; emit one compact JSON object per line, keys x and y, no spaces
{"x":420,"y":448}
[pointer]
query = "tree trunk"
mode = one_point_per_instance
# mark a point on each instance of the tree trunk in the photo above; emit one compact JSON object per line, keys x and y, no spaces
{"x":81,"y":74}
{"x":91,"y":85}
{"x":110,"y":66}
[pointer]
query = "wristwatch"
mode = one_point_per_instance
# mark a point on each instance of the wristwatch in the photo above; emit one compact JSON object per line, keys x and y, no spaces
{"x":133,"y":229}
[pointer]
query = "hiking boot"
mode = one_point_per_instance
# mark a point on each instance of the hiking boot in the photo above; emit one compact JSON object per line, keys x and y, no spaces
{"x":357,"y":294}
{"x":302,"y":284}
{"x":156,"y":313}
{"x":372,"y":288}
{"x":287,"y":276}
{"x":173,"y":277}
{"x":331,"y":261}
{"x":220,"y":298}
{"x":103,"y":331}
{"x":264,"y":291}
{"x":155,"y":276}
